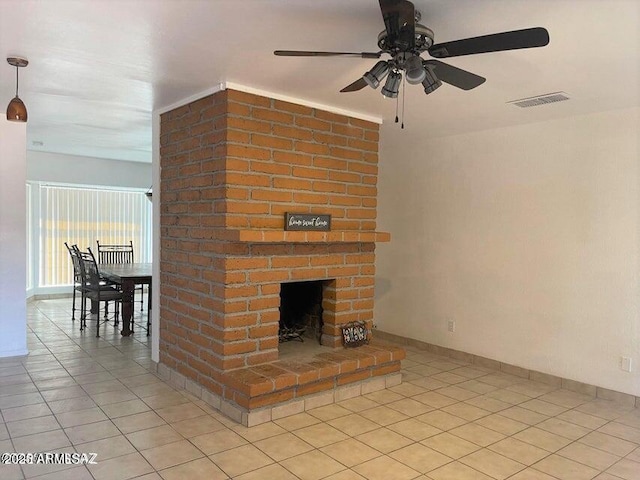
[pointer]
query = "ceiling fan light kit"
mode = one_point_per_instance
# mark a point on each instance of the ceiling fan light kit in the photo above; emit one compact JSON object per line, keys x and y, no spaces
{"x":16,"y":110}
{"x":430,"y":83}
{"x":379,"y":71}
{"x":392,"y":85}
{"x":415,"y":72}
{"x":405,"y":39}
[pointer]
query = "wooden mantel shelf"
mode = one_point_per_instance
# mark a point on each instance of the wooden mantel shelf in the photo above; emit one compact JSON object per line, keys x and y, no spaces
{"x":281,"y":236}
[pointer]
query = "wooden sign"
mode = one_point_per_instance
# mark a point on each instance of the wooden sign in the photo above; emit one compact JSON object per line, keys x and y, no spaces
{"x":307,"y":222}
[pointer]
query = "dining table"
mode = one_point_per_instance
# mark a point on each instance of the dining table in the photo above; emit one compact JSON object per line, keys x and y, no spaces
{"x":127,"y":275}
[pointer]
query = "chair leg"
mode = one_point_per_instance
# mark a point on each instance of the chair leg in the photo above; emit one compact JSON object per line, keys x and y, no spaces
{"x":84,"y":321}
{"x":149,"y":310}
{"x":83,"y":311}
{"x":73,"y":305}
{"x":139,"y":288}
{"x":98,"y":320}
{"x":116,"y":318}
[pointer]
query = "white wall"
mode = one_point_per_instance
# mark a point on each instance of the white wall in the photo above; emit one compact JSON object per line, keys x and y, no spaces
{"x":155,"y":279}
{"x":73,"y":169}
{"x":13,"y":236}
{"x":527,"y":237}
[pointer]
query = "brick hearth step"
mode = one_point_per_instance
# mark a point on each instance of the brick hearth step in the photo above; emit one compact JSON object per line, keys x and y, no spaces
{"x":276,"y":382}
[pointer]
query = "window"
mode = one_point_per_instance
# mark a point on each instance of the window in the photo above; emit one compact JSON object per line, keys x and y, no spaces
{"x":30,"y":282}
{"x":81,"y":216}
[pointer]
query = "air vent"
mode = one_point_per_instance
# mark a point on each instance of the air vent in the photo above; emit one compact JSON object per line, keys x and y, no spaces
{"x":540,"y":100}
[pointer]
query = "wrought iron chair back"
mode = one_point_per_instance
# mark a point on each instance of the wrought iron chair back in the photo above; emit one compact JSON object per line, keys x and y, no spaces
{"x":93,"y":288}
{"x":121,"y":254}
{"x":77,"y":275}
{"x":75,"y":261}
{"x":90,"y":271}
{"x":115,"y":253}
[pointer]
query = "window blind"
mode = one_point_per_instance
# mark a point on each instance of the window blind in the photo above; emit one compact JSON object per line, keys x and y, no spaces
{"x":83,"y":215}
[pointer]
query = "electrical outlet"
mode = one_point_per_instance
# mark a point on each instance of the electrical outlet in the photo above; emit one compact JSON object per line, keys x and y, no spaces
{"x":625,"y":364}
{"x":451,"y":325}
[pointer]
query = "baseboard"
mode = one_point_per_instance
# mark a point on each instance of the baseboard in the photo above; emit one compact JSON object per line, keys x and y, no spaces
{"x":534,"y":375}
{"x":10,"y":355}
{"x":49,"y":296}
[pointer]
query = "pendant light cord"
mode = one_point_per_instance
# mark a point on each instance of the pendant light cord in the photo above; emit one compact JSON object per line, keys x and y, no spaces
{"x":17,"y":80}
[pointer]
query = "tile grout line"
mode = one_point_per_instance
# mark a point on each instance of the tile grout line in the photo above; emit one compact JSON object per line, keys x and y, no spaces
{"x":456,"y":401}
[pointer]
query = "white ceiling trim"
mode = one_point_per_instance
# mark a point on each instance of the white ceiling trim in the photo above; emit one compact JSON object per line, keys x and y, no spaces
{"x":264,"y":93}
{"x":192,"y":98}
{"x":302,"y":101}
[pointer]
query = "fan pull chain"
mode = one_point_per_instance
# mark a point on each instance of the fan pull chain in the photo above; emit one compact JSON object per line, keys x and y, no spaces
{"x":404,"y":88}
{"x":397,"y":101}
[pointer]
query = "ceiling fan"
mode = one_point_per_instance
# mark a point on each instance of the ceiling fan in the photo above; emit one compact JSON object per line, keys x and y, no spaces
{"x":404,"y":39}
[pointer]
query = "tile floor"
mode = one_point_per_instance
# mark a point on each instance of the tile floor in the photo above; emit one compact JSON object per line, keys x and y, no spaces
{"x":447,"y":421}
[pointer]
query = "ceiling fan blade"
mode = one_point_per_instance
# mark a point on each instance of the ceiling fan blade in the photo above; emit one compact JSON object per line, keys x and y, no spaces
{"x":355,"y":86}
{"x":455,"y":76}
{"x":304,"y":53}
{"x":400,"y":22}
{"x":527,"y":38}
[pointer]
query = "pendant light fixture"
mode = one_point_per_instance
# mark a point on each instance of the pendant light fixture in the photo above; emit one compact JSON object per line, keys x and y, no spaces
{"x":16,"y":110}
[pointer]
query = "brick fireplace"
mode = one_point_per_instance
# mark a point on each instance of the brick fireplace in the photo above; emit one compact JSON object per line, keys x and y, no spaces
{"x":232,"y":164}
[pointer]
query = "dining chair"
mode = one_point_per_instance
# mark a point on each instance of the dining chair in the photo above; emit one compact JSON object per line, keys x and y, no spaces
{"x":120,"y":254}
{"x":94,"y":289}
{"x":77,"y":276}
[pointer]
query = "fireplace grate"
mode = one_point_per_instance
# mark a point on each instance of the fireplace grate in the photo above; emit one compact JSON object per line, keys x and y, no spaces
{"x":287,"y":334}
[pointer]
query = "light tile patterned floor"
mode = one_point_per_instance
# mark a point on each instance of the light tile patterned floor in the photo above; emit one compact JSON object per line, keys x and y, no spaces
{"x":447,"y":421}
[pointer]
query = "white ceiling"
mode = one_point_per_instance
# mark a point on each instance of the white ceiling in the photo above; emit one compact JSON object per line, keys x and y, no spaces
{"x":98,"y":68}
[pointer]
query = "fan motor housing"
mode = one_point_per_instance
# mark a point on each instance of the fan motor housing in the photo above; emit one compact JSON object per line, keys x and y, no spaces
{"x":424,"y":40}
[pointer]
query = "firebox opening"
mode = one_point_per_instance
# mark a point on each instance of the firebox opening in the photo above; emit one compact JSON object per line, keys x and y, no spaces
{"x":300,"y":311}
